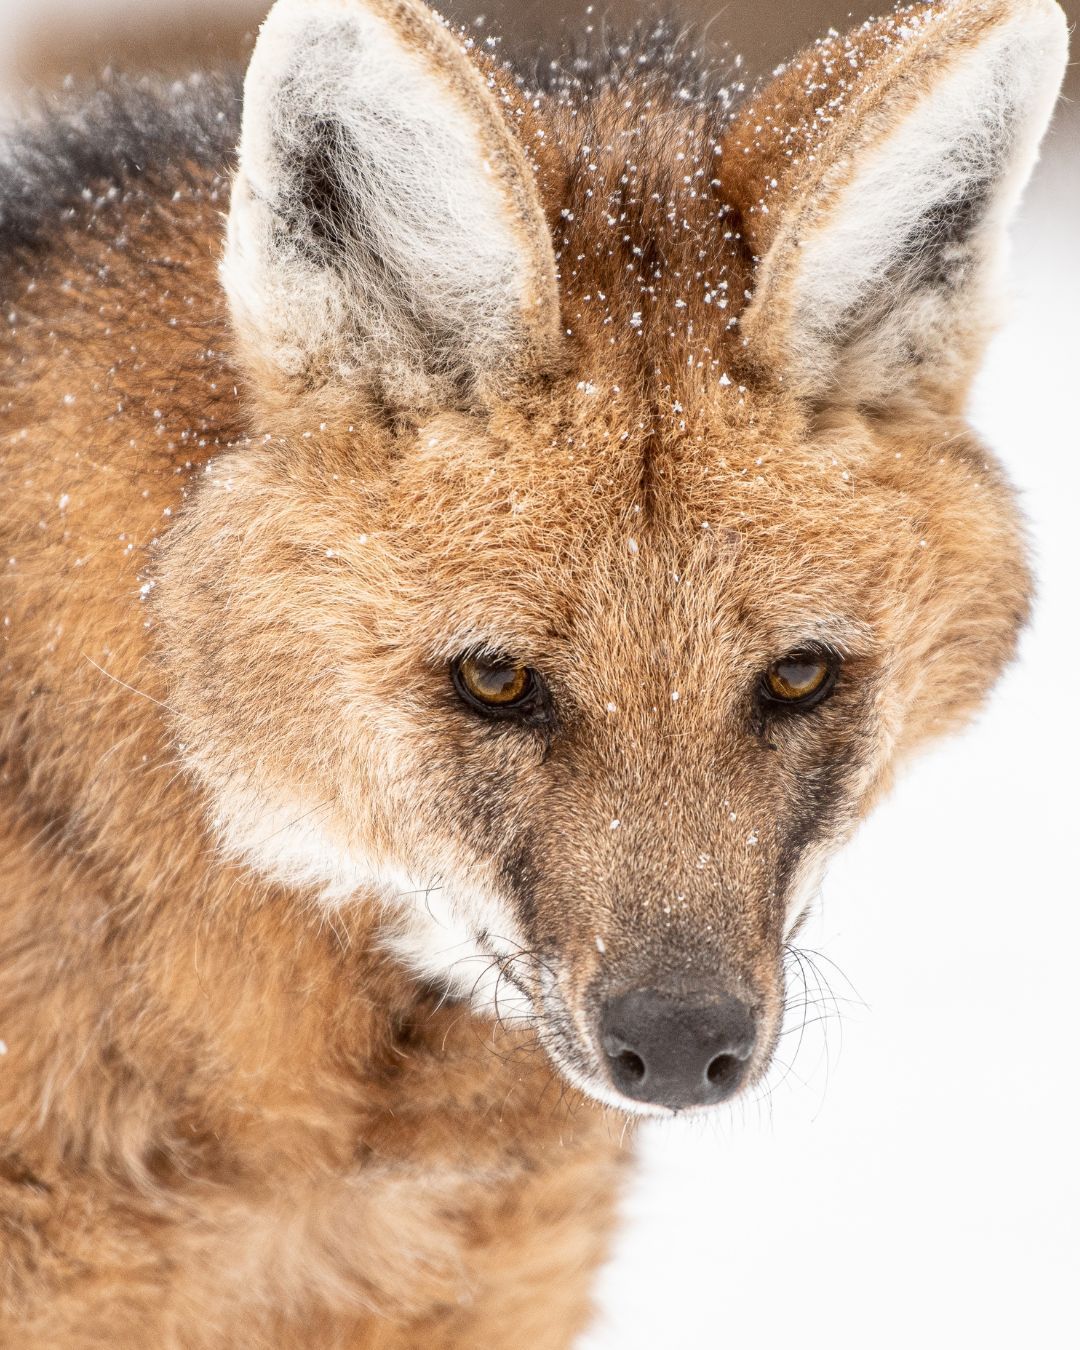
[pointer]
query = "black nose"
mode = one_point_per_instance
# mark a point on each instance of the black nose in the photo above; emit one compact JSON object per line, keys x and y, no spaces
{"x":677,"y":1051}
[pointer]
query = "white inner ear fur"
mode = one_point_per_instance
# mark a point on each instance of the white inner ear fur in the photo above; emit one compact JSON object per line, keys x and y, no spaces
{"x":424,"y":260}
{"x":877,"y":280}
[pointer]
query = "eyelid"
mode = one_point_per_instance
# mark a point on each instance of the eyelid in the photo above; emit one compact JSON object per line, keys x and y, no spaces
{"x":818,"y":648}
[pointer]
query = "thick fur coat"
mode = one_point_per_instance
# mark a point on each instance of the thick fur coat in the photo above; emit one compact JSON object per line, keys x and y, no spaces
{"x":634,"y":381}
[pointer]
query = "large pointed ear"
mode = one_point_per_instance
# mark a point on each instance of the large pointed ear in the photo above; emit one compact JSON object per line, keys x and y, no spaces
{"x":385,"y":227}
{"x":875,"y":177}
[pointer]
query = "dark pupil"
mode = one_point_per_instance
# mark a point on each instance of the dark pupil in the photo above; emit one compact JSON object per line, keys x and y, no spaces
{"x":799,"y":674}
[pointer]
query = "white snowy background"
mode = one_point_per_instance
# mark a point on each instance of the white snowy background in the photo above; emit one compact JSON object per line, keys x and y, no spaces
{"x":914,"y":1180}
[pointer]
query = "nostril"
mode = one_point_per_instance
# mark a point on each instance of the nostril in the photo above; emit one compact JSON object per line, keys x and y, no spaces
{"x":722,"y":1069}
{"x":631,"y":1067}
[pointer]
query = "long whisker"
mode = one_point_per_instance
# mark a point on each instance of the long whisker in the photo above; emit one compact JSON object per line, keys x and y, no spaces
{"x":124,"y":684}
{"x":813,"y":994}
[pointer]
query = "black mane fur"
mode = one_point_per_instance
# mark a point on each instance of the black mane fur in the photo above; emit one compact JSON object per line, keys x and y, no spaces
{"x":120,"y":132}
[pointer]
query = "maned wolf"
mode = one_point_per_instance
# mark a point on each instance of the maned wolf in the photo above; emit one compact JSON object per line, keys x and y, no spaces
{"x":456,"y":613}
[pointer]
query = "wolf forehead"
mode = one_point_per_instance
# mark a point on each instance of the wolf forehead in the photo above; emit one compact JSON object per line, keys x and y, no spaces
{"x":638,"y":476}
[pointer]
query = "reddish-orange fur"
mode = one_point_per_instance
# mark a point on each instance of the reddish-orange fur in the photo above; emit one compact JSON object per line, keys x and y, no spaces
{"x":228,"y":1115}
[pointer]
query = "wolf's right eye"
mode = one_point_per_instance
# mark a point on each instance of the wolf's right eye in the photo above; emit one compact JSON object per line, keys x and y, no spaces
{"x":497,"y":688}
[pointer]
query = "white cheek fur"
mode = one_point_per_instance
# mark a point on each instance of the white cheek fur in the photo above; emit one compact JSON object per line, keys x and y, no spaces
{"x":288,"y":841}
{"x":446,"y":931}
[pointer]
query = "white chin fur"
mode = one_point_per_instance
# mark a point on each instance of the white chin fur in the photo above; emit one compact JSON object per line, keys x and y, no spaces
{"x":601,"y":1092}
{"x":464,"y":941}
{"x":804,"y":892}
{"x":451,"y":934}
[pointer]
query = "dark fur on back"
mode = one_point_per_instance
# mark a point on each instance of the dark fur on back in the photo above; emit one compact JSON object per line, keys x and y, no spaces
{"x":83,"y":143}
{"x":79,"y":145}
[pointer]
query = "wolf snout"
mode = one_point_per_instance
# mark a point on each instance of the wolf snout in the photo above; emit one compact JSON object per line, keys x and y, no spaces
{"x":671,"y":1050}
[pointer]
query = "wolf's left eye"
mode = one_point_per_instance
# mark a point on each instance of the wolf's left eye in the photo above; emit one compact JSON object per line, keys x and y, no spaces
{"x":799,"y":680}
{"x":498,"y":688}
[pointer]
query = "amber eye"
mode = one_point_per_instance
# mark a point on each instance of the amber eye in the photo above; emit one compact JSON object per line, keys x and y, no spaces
{"x":803,"y":678}
{"x":494,"y":686}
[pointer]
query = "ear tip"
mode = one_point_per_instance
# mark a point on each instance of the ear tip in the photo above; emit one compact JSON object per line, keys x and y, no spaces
{"x":1050,"y":10}
{"x":1051,"y":18}
{"x":1057,"y":25}
{"x":1038,"y":50}
{"x":397,"y":13}
{"x":1041,"y":19}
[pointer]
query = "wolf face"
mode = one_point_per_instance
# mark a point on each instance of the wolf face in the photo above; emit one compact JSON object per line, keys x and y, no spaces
{"x":609,"y":527}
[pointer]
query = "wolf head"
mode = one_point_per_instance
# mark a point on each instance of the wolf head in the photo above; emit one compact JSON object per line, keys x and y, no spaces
{"x":609,"y":528}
